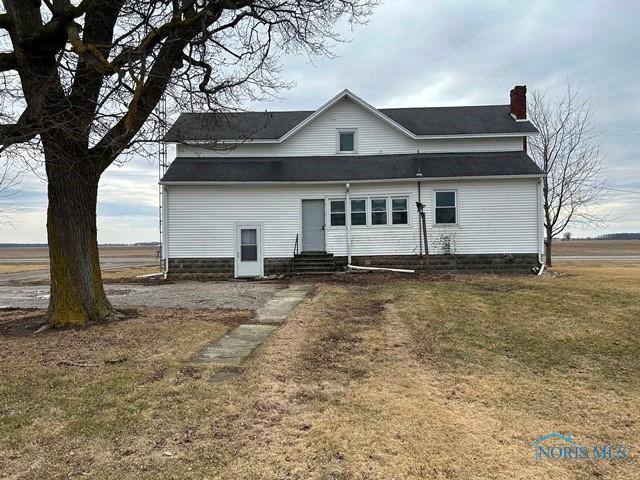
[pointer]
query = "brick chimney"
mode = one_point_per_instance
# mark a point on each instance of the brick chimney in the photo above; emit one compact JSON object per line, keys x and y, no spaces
{"x":519,"y":102}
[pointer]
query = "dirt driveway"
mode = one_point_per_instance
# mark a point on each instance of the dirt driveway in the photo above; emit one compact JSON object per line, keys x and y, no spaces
{"x":210,"y":295}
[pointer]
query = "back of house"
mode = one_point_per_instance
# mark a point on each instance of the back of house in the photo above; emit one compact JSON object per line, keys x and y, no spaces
{"x":251,"y":194}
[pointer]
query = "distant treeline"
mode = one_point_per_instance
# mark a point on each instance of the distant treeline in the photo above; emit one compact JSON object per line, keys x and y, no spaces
{"x":26,"y":245}
{"x":616,"y":236}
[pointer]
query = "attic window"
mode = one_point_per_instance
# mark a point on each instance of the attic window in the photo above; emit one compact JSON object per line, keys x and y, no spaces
{"x":347,"y":141}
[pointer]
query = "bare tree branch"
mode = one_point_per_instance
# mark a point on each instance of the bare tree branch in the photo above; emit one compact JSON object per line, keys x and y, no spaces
{"x":8,"y":61}
{"x":5,"y":22}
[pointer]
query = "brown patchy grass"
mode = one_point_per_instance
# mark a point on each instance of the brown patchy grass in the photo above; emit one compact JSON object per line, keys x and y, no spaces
{"x":105,"y":252}
{"x":128,"y":274}
{"x":105,"y":401}
{"x":395,"y":378}
{"x":111,"y":275}
{"x":22,"y":267}
{"x":596,"y":247}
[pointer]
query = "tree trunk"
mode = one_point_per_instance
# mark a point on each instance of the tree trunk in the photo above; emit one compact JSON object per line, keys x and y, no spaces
{"x":547,"y":249}
{"x":77,"y":293}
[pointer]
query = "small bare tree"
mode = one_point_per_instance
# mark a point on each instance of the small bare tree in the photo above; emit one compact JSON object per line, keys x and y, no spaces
{"x":567,"y":150}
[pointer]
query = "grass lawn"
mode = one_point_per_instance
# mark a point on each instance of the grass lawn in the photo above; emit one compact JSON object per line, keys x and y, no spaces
{"x":372,"y":378}
{"x":22,"y":267}
{"x":596,"y":247}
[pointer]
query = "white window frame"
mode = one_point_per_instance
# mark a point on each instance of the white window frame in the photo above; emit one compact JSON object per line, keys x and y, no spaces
{"x":371,"y":212}
{"x":398,"y":197}
{"x":354,"y":131}
{"x":366,"y":212}
{"x":337,"y":199}
{"x":456,"y":206}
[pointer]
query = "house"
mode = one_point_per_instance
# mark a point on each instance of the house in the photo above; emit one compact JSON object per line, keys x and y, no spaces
{"x":256,"y":193}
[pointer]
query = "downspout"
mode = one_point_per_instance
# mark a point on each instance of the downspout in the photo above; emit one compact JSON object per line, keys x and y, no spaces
{"x":540,"y":229}
{"x":347,"y":210}
{"x":165,"y":232}
{"x":420,"y":219}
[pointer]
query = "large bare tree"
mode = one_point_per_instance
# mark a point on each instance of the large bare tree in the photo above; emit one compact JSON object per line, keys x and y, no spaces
{"x":568,"y":152}
{"x":81,"y":81}
{"x":9,"y":178}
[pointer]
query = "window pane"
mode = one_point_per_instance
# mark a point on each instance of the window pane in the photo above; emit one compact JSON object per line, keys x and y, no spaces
{"x":379,"y":218}
{"x":358,"y":218}
{"x":347,"y":141}
{"x":399,"y":204}
{"x":399,"y":218}
{"x":337,"y":206}
{"x":338,"y":219}
{"x":358,"y":205}
{"x":445,"y":215}
{"x":249,"y":253}
{"x":379,"y":205}
{"x":248,"y":236}
{"x":445,"y":199}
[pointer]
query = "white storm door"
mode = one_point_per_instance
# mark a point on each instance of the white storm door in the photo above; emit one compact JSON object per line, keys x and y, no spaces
{"x":248,"y":251}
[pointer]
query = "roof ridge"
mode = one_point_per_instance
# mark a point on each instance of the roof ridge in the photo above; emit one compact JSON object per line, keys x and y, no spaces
{"x":445,"y":106}
{"x":379,"y":109}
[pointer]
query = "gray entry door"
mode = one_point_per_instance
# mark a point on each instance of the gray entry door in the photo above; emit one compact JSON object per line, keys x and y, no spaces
{"x":313,"y":226}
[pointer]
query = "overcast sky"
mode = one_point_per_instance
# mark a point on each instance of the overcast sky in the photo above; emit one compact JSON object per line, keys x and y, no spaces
{"x":432,"y":53}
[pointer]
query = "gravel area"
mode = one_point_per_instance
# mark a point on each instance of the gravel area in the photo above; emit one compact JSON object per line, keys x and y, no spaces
{"x":234,"y":295}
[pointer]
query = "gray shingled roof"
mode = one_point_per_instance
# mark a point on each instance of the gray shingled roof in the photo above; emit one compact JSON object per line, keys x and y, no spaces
{"x":349,"y":168}
{"x":420,"y":121}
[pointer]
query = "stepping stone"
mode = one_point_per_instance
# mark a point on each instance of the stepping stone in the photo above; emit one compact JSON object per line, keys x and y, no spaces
{"x":235,"y":346}
{"x":283,"y":302}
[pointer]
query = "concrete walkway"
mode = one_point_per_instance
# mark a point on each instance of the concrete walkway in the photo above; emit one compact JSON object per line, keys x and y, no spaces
{"x":278,"y":308}
{"x":237,"y":345}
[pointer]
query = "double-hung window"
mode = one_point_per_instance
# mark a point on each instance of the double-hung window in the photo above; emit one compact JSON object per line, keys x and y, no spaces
{"x":338,"y":216}
{"x":379,"y":211}
{"x":358,"y":211}
{"x":399,"y":211}
{"x":446,"y":203}
{"x":346,"y":141}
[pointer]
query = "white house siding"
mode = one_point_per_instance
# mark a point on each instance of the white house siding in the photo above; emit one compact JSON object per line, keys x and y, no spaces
{"x":494,"y":216}
{"x":374,"y":136}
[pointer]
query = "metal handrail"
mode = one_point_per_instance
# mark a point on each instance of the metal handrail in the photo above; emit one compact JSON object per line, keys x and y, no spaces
{"x":296,"y":250}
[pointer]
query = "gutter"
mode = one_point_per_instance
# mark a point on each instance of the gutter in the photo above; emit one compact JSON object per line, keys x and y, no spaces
{"x":375,"y":180}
